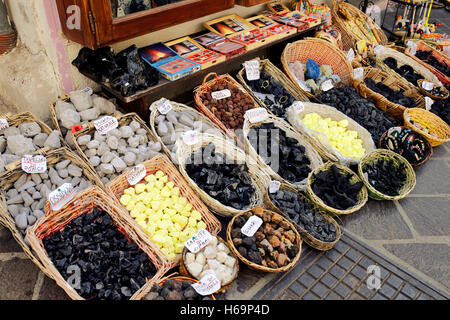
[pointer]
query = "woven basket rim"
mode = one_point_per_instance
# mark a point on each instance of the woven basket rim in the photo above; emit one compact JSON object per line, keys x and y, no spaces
{"x":434,"y":141}
{"x":429,"y":94}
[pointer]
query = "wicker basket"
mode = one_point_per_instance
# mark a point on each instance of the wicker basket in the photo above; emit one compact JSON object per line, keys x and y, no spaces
{"x":306,"y":236}
{"x":206,"y":85}
{"x":259,"y":211}
{"x":317,"y":139}
{"x":116,"y":188}
{"x":83,"y":204}
{"x":278,"y":76}
{"x":320,"y":51}
{"x":185,"y":272}
{"x":428,"y":148}
{"x":154,"y":113}
{"x":394,"y":109}
{"x":176,"y":277}
{"x":11,"y":176}
{"x":421,"y":45}
{"x":362,"y":195}
{"x":387,"y":155}
{"x":429,"y":94}
{"x":260,"y":178}
{"x":430,"y":120}
{"x":310,"y":152}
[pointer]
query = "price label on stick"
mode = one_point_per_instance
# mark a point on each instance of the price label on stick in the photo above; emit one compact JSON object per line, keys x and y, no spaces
{"x":164,"y":106}
{"x":34,"y":164}
{"x":326,"y":85}
{"x":136,"y":174}
{"x":358,"y":73}
{"x":428,"y":103}
{"x":61,"y":196}
{"x":252,"y":70}
{"x":207,"y":285}
{"x":3,"y":125}
{"x":198,"y":241}
{"x":251,"y":226}
{"x":427,"y":85}
{"x":274,"y":186}
{"x":298,"y":106}
{"x":106,"y":124}
{"x":222,"y":94}
{"x":413,"y":47}
{"x":350,"y":55}
{"x":256,"y":115}
{"x":190,"y":137}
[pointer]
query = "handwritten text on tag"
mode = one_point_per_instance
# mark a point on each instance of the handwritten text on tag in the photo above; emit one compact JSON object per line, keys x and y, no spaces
{"x":3,"y":125}
{"x":198,"y":241}
{"x":164,"y":106}
{"x":256,"y":115}
{"x":106,"y":124}
{"x":326,"y":85}
{"x":274,"y":186}
{"x":358,"y":73}
{"x":298,"y":106}
{"x":61,"y":196}
{"x":34,"y":164}
{"x":222,"y":94}
{"x":427,"y":85}
{"x":252,"y":70}
{"x":207,"y":285}
{"x":135,"y":175}
{"x":251,"y":226}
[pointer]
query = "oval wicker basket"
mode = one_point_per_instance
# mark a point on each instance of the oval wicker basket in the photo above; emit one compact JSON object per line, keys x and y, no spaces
{"x":428,"y":148}
{"x":430,"y":120}
{"x":116,"y":188}
{"x":84,"y":203}
{"x":394,"y":109}
{"x":310,"y":152}
{"x":387,"y":155}
{"x":259,"y":211}
{"x":318,"y":140}
{"x":429,"y":94}
{"x":320,"y":51}
{"x":306,"y":236}
{"x":176,"y":277}
{"x":362,"y":195}
{"x":154,"y":113}
{"x":185,"y":272}
{"x":8,"y":178}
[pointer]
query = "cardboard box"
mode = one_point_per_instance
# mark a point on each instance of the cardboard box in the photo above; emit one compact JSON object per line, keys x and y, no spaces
{"x":220,"y":44}
{"x":265,"y":23}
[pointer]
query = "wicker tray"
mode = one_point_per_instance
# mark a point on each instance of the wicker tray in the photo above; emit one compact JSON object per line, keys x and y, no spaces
{"x":176,"y":277}
{"x":8,"y":178}
{"x":432,"y":121}
{"x":117,"y":187}
{"x":320,"y":51}
{"x":306,"y":236}
{"x":83,"y":204}
{"x":260,"y":178}
{"x":259,"y":211}
{"x":362,"y":195}
{"x":429,"y":94}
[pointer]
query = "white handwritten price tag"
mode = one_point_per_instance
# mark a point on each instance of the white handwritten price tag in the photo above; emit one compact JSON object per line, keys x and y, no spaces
{"x":303,"y":86}
{"x":252,"y":70}
{"x":222,"y":94}
{"x":378,"y":50}
{"x":34,"y":164}
{"x":164,"y":106}
{"x":3,"y":125}
{"x":427,"y":85}
{"x":106,"y":124}
{"x":207,"y":285}
{"x":61,"y":196}
{"x":251,"y":226}
{"x":350,"y":55}
{"x":198,"y":241}
{"x":190,"y":137}
{"x":298,"y":106}
{"x":256,"y":115}
{"x":413,"y":47}
{"x":428,"y":103}
{"x":326,"y":85}
{"x":135,"y":175}
{"x":358,"y":73}
{"x":274,"y":186}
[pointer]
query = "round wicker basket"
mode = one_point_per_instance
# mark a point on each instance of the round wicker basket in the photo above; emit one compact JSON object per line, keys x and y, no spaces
{"x":431,"y":121}
{"x":175,"y":277}
{"x":429,"y":94}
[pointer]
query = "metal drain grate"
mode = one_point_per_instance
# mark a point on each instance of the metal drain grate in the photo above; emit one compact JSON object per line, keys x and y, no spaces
{"x":341,"y":274}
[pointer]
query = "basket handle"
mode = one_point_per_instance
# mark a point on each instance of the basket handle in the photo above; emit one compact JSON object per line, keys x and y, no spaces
{"x":208,"y":75}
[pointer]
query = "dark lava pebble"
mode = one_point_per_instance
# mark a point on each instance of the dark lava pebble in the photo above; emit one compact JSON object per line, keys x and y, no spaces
{"x":272,"y":93}
{"x":441,"y":108}
{"x":386,"y":176}
{"x":230,"y":184}
{"x":174,"y":290}
{"x":395,"y":96}
{"x":335,"y":189}
{"x":112,"y":268}
{"x":301,"y":212}
{"x":406,"y":71}
{"x":360,"y":109}
{"x":427,"y":56}
{"x":288,"y":159}
{"x":406,"y":143}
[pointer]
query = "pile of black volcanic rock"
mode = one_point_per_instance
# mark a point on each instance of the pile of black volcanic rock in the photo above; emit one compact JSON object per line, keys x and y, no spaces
{"x":301,"y":212}
{"x":285,"y":155}
{"x":406,"y":71}
{"x":360,"y":109}
{"x":395,"y":96}
{"x":386,"y":176}
{"x":228,"y":183}
{"x":334,"y":188}
{"x":126,"y":72}
{"x":110,"y":266}
{"x":272,"y":93}
{"x":441,"y":108}
{"x":174,"y":290}
{"x":427,"y":56}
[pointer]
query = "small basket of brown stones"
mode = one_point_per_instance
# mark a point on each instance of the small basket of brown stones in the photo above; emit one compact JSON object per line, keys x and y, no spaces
{"x":336,"y":189}
{"x":176,"y":287}
{"x":264,"y":240}
{"x":318,"y":229}
{"x":387,"y":175}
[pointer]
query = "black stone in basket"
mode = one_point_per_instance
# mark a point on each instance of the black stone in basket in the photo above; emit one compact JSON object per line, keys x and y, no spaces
{"x":385,"y":176}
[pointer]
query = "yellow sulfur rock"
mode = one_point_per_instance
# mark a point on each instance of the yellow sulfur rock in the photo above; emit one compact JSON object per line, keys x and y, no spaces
{"x":192,"y":222}
{"x":201,"y":225}
{"x":170,"y":185}
{"x":125,"y":199}
{"x":150,"y":178}
{"x":159,"y":185}
{"x":140,"y":187}
{"x":175,"y":191}
{"x":196,"y":215}
{"x":159,"y":174}
{"x":164,"y":179}
{"x":130,"y":191}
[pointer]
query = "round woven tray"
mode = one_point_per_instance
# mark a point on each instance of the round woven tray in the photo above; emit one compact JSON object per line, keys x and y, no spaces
{"x":362,"y":195}
{"x":387,"y":154}
{"x":258,"y":211}
{"x":306,"y":236}
{"x":430,"y":120}
{"x":185,"y":272}
{"x":175,"y":277}
{"x":429,"y":94}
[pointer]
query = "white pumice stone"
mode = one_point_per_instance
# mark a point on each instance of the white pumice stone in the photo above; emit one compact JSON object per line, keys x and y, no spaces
{"x":95,"y":161}
{"x":81,"y":100}
{"x":142,"y":139}
{"x":21,"y":221}
{"x":69,"y":139}
{"x":38,"y":214}
{"x":222,"y":247}
{"x":63,"y":173}
{"x":213,"y":264}
{"x":163,"y":129}
{"x":200,"y":258}
{"x":53,"y":141}
{"x":31,"y":220}
{"x":40,"y":139}
{"x":107,"y":168}
{"x":133,"y":142}
{"x":207,"y":272}
{"x":230,"y":262}
{"x":76,"y":180}
{"x":195,"y":268}
{"x":61,"y":107}
{"x":74,"y":170}
{"x":102,"y":149}
{"x":13,"y":191}
{"x":107,"y":157}
{"x":119,"y":164}
{"x":126,"y":132}
{"x":27,"y":199}
{"x":186,"y":120}
{"x":105,"y":106}
{"x":93,"y":144}
{"x":26,"y":185}
{"x":13,"y":210}
{"x":11,"y":131}
{"x":69,"y":119}
{"x":8,"y":158}
{"x":115,"y":133}
{"x":31,"y":190}
{"x":19,"y":145}
{"x":129,"y":158}
{"x":99,"y":137}
{"x":155,"y":146}
{"x":221,"y":256}
{"x":29,"y":129}
{"x":3,"y":144}
{"x":90,"y":153}
{"x":15,"y":200}
{"x":113,"y":142}
{"x":210,"y":252}
{"x":122,"y":149}
{"x":172,"y":116}
{"x":84,"y":139}
{"x":62,"y":164}
{"x":141,"y":132}
{"x":134,"y":125}
{"x":36,"y":195}
{"x":189,"y":257}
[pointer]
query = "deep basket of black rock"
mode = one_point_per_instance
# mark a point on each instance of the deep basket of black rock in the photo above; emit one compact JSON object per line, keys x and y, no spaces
{"x":110,"y":266}
{"x":175,"y":288}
